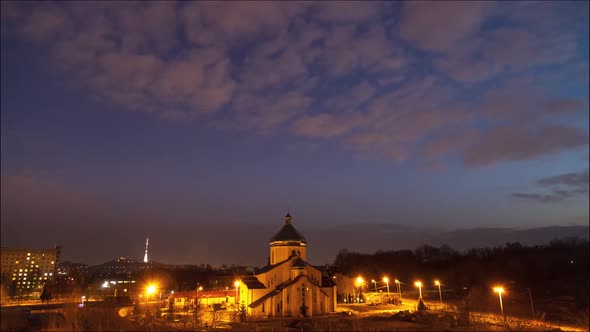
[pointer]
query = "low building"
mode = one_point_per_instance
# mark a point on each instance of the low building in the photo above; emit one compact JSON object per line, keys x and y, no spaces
{"x":27,"y":270}
{"x":288,"y":285}
{"x":207,"y":299}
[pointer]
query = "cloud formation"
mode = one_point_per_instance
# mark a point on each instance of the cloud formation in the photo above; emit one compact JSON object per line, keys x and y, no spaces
{"x":559,"y":188}
{"x":419,"y":80}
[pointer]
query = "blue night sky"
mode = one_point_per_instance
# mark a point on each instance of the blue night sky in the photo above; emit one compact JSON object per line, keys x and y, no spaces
{"x":430,"y":114}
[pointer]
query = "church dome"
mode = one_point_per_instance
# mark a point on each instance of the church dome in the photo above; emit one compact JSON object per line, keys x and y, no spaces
{"x":288,"y":233}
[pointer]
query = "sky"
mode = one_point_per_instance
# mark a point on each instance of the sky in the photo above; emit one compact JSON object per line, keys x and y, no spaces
{"x":151,"y":117}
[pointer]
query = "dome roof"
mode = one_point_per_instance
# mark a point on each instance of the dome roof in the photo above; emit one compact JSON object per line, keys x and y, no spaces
{"x":288,"y":233}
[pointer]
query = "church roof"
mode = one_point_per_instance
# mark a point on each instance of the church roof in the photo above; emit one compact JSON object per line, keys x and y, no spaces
{"x":288,"y":232}
{"x":298,"y":262}
{"x":280,"y":288}
{"x":252,"y":282}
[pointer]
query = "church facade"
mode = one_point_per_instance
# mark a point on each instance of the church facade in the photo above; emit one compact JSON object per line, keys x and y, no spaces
{"x":288,"y":286}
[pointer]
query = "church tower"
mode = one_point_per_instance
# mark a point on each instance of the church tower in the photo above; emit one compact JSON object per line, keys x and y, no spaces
{"x":286,"y":243}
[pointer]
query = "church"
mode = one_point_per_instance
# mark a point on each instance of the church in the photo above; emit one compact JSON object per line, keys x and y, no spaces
{"x":288,"y":286}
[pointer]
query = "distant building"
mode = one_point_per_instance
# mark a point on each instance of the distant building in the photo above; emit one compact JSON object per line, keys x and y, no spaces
{"x":121,"y":265}
{"x":27,"y":270}
{"x":289,"y":285}
{"x":207,"y":299}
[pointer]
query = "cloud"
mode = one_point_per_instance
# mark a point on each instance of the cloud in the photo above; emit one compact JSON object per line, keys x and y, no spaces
{"x":330,"y":70}
{"x":471,"y":49}
{"x":440,"y":25}
{"x":449,"y":142}
{"x":564,"y":105}
{"x":267,"y":114}
{"x":579,"y":179}
{"x":347,"y":11}
{"x":516,"y":143}
{"x":560,"y":187}
{"x":324,"y":125}
{"x":229,"y":22}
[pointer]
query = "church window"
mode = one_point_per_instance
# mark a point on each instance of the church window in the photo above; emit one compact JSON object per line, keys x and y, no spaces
{"x":262,"y":306}
{"x":302,"y":293}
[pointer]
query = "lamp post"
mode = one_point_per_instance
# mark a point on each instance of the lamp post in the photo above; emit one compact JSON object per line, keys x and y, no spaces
{"x":500,"y":290}
{"x":386,"y":281}
{"x":399,"y":289}
{"x":197,"y":298}
{"x":419,"y":285}
{"x":237,"y":284}
{"x":375,"y":283}
{"x":151,"y":289}
{"x":359,"y":283}
{"x":437,"y":283}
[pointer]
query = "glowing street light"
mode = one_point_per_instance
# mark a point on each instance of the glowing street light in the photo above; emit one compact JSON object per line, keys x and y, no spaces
{"x":437,"y":283}
{"x":375,"y":283}
{"x":386,"y":280}
{"x":500,"y":290}
{"x":237,"y":284}
{"x":151,"y":289}
{"x":359,"y":283}
{"x":419,"y":285}
{"x":399,"y":288}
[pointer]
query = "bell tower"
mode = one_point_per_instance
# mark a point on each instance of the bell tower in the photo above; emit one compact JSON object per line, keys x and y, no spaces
{"x":287,"y":242}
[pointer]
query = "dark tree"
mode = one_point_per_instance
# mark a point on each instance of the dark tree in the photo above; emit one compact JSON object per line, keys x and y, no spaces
{"x":45,"y":294}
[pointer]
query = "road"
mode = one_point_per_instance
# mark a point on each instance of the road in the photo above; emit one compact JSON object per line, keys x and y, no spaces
{"x":477,"y":316}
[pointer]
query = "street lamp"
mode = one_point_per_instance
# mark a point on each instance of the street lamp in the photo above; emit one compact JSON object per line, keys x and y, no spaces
{"x":399,"y":288}
{"x":151,"y":289}
{"x":419,"y":285}
{"x":237,"y":284}
{"x":374,"y":282}
{"x":437,"y":283}
{"x":386,"y":280}
{"x":500,"y":290}
{"x":199,"y":289}
{"x":359,"y":283}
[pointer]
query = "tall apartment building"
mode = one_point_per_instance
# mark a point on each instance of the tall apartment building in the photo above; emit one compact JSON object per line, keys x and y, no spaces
{"x":27,"y":270}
